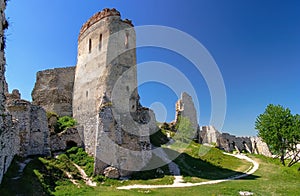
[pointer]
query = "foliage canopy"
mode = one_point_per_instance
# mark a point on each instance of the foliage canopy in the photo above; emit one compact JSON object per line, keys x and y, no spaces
{"x":280,"y":130}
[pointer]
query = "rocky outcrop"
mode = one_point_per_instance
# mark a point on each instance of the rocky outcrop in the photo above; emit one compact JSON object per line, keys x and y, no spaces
{"x":53,"y":90}
{"x":30,"y":124}
{"x":64,"y":140}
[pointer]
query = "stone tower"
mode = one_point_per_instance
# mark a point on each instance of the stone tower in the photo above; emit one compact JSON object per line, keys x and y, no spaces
{"x":112,"y":124}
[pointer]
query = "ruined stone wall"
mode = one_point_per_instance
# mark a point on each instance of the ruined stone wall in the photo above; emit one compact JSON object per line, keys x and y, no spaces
{"x":3,"y":26}
{"x":8,"y":137}
{"x":8,"y":142}
{"x":30,"y":126}
{"x":68,"y":138}
{"x":53,"y":90}
{"x":233,"y":143}
{"x":185,"y":108}
{"x":260,"y":147}
{"x":209,"y":135}
{"x":229,"y":143}
{"x":105,"y":101}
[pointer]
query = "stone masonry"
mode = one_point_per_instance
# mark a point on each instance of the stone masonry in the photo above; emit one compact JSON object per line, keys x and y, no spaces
{"x":101,"y":94}
{"x":64,"y":140}
{"x":8,"y":136}
{"x":229,"y":143}
{"x":53,"y":90}
{"x":30,"y":123}
{"x":114,"y":127}
{"x":185,"y":108}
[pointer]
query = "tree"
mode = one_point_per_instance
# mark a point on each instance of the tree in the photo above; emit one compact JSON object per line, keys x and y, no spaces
{"x":185,"y":132}
{"x":294,"y":152}
{"x":279,"y":129}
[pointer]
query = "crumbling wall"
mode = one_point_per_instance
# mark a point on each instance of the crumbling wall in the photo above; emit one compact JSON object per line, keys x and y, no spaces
{"x":53,"y":90}
{"x":209,"y":135}
{"x":185,"y":108}
{"x":105,"y":101}
{"x":8,"y":137}
{"x":30,"y":126}
{"x":68,"y":138}
{"x":3,"y":26}
{"x":233,"y":143}
{"x":260,"y":147}
{"x":225,"y":141}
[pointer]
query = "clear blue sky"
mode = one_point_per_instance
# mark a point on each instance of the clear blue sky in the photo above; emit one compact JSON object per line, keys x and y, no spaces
{"x":255,"y":43}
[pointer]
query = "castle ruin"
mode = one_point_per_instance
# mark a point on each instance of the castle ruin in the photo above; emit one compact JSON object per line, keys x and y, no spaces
{"x":100,"y":92}
{"x":105,"y":100}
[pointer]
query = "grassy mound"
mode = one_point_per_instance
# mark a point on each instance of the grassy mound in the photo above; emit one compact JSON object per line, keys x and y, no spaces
{"x":47,"y":176}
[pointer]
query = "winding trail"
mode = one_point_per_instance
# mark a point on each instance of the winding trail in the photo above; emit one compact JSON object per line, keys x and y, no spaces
{"x":178,"y":181}
{"x":88,"y":181}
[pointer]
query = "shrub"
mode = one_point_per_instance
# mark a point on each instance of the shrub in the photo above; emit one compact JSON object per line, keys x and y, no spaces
{"x":81,"y":158}
{"x":64,"y":122}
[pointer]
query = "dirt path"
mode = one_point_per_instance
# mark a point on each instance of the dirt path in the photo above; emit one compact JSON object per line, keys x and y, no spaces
{"x":178,"y":182}
{"x":88,"y":181}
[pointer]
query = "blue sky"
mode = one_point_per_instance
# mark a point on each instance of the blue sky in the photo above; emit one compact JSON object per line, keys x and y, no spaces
{"x":256,"y":45}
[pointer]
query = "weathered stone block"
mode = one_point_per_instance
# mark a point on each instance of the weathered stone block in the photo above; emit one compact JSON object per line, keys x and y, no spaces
{"x":53,"y":90}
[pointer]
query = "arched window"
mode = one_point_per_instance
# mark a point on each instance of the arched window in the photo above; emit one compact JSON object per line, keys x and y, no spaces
{"x":90,"y":45}
{"x":100,"y":41}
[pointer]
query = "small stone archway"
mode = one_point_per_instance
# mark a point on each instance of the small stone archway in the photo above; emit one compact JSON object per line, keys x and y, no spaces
{"x":70,"y":144}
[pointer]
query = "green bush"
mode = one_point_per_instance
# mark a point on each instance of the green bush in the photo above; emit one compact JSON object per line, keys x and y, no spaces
{"x":64,"y":122}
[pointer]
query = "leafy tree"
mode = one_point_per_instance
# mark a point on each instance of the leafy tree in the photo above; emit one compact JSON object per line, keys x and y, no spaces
{"x":185,"y":132}
{"x":279,"y":129}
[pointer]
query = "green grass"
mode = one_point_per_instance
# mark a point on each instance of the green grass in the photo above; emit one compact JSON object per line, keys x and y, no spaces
{"x":81,"y":158}
{"x":200,"y":163}
{"x":46,"y":177}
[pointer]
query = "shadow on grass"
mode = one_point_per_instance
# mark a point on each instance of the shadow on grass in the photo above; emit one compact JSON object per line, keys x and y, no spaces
{"x":191,"y":167}
{"x":25,"y":183}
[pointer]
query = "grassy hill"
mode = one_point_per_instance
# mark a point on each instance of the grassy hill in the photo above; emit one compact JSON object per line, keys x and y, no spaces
{"x":47,"y":176}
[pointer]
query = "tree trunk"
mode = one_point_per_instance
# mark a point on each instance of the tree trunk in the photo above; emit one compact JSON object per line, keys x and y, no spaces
{"x":282,"y":157}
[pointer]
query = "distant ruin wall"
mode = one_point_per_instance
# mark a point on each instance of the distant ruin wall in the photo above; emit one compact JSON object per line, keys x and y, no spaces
{"x":53,"y":90}
{"x":225,"y":141}
{"x":185,"y":108}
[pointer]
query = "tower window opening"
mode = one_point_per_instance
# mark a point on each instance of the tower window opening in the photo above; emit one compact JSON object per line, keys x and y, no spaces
{"x":90,"y":45}
{"x":100,"y":42}
{"x":126,"y":39}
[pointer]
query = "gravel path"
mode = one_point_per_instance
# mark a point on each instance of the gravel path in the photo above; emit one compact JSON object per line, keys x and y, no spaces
{"x":88,"y":181}
{"x":178,"y":182}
